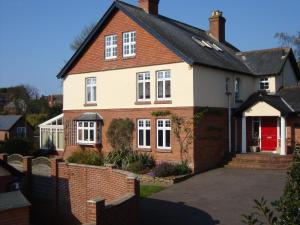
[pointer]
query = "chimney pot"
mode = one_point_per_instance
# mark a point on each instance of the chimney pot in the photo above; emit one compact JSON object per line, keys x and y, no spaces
{"x":149,"y":6}
{"x":217,"y":25}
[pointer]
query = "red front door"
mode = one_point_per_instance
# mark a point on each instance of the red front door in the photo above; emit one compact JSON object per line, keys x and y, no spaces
{"x":268,"y":134}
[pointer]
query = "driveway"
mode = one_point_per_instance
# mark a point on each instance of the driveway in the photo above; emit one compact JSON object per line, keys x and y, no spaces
{"x":219,"y":196}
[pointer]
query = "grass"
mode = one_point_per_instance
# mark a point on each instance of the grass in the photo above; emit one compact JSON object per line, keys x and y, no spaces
{"x":148,"y":190}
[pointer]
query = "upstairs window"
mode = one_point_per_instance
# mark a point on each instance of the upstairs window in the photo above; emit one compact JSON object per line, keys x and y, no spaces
{"x":88,"y":133}
{"x":163,"y":85}
{"x":111,"y":47}
{"x":90,"y":90}
{"x":143,"y":86}
{"x":164,"y":134}
{"x":227,"y":85}
{"x":129,"y":44}
{"x":21,"y":132}
{"x":144,"y":128}
{"x":237,"y":87}
{"x":264,"y":84}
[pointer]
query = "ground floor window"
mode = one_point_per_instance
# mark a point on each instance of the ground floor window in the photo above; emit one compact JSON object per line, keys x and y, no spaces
{"x":144,"y":129}
{"x":21,"y":132}
{"x":88,"y":132}
{"x":163,"y":134}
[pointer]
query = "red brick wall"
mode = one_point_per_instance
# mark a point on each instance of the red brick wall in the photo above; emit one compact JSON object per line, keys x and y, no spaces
{"x":149,"y":51}
{"x":293,"y":132}
{"x":18,"y":216}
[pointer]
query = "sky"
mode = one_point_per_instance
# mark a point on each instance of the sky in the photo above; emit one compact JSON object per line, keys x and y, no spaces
{"x":35,"y":35}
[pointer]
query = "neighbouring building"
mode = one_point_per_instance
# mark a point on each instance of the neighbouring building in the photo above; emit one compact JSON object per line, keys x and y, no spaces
{"x":14,"y":126}
{"x":136,"y":62}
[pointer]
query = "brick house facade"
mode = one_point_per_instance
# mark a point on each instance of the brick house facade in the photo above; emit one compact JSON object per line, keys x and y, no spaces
{"x":136,"y":62}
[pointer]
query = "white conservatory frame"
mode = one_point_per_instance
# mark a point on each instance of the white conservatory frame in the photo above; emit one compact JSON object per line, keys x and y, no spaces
{"x":53,"y":126}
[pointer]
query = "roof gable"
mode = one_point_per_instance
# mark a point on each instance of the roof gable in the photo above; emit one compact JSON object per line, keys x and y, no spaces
{"x":8,"y":121}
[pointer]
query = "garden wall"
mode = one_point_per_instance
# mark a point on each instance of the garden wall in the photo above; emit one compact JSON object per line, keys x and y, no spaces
{"x":63,"y":193}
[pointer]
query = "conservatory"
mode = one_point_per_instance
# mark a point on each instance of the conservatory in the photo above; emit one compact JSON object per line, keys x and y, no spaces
{"x":52,"y":134}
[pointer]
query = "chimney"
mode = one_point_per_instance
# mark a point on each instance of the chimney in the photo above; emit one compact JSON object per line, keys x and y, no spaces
{"x":217,"y":25}
{"x":150,"y":6}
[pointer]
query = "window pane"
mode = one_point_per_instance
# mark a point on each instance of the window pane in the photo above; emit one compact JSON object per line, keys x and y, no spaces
{"x":86,"y":124}
{"x":86,"y":135}
{"x":147,"y":90}
{"x":160,"y":89}
{"x":91,"y":135}
{"x":160,"y":138}
{"x":80,"y":135}
{"x":147,"y":137}
{"x":89,"y":97}
{"x":168,"y":89}
{"x":141,"y":138}
{"x":141,"y":91}
{"x":168,"y":138}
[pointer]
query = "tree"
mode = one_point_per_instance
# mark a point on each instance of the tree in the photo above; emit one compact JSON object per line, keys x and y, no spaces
{"x":292,"y":41}
{"x":78,"y":40}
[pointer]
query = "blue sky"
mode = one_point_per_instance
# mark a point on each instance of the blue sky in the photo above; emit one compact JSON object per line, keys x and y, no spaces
{"x":35,"y":35}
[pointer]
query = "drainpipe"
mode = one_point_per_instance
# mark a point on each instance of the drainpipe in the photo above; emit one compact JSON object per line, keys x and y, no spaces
{"x":229,"y":121}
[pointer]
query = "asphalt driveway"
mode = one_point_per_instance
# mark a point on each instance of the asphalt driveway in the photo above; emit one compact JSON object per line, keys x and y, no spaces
{"x":219,"y":196}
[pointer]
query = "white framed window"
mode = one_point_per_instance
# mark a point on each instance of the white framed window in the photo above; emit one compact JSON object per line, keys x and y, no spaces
{"x":144,"y":129}
{"x":21,"y":132}
{"x":143,"y":86}
{"x":264,"y":84}
{"x":164,"y":134}
{"x":163,"y":85}
{"x":111,"y":47}
{"x":129,"y":44}
{"x":237,"y":87}
{"x":90,"y":89}
{"x":227,"y":85}
{"x":88,"y":132}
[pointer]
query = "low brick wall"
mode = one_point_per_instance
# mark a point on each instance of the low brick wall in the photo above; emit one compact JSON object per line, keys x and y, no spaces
{"x":19,"y":216}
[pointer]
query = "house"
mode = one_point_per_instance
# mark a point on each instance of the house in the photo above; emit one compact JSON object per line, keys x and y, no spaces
{"x":136,"y":62}
{"x":14,"y":126}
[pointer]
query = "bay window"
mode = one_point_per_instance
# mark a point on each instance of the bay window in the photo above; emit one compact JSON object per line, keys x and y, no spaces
{"x":90,"y":89}
{"x":163,"y":85}
{"x":88,"y":132}
{"x":129,"y":44}
{"x":144,"y":129}
{"x":143,"y":87}
{"x":111,"y":47}
{"x":163,"y":134}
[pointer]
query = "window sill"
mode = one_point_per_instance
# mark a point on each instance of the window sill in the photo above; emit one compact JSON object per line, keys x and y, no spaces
{"x":164,"y":150}
{"x":144,"y":149}
{"x":88,"y":144}
{"x":163,"y":102}
{"x":111,"y":59}
{"x":90,"y":104}
{"x":142,"y":103}
{"x":129,"y":57}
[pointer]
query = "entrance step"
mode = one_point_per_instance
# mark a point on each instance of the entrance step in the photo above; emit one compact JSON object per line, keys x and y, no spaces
{"x":259,"y":161}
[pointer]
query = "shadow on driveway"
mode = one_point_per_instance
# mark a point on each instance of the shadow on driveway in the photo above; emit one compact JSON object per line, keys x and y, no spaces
{"x":159,"y":212}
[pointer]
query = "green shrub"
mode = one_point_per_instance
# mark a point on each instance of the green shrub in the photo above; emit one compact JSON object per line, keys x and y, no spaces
{"x":135,"y":167}
{"x":119,"y":133}
{"x":17,"y":146}
{"x":182,"y":169}
{"x":164,"y":170}
{"x":86,"y":157}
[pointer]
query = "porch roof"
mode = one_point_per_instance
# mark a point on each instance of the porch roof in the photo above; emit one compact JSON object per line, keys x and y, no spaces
{"x":275,"y":101}
{"x":89,"y":117}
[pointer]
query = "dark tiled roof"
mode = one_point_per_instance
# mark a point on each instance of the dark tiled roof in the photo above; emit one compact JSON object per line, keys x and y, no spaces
{"x":7,"y":121}
{"x":178,"y":37}
{"x":274,"y":100}
{"x":89,"y":117}
{"x":12,"y":200}
{"x":292,"y":96}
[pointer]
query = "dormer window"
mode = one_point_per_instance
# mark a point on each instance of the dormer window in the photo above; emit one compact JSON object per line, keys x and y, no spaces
{"x":111,"y":47}
{"x":264,"y":84}
{"x":129,"y":44}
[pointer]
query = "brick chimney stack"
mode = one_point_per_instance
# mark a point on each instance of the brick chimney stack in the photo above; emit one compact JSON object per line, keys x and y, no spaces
{"x":217,"y":25}
{"x":150,"y":6}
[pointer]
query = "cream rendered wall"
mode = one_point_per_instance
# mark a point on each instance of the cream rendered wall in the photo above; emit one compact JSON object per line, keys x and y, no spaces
{"x":209,"y":87}
{"x":262,"y":109}
{"x":116,"y":89}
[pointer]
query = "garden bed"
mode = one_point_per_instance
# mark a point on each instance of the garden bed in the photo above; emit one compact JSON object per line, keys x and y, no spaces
{"x":162,"y":181}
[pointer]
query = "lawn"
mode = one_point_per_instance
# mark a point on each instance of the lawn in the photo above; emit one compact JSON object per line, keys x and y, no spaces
{"x":148,"y":190}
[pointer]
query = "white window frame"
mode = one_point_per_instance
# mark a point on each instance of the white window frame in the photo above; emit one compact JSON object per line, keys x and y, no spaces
{"x":164,"y":128}
{"x":145,"y":79}
{"x":89,"y":86}
{"x":166,"y":76}
{"x":21,"y":131}
{"x":111,"y":46}
{"x":227,"y":85}
{"x":237,"y":89}
{"x":265,"y":82}
{"x":130,"y":43}
{"x":80,"y":126}
{"x":144,"y":125}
